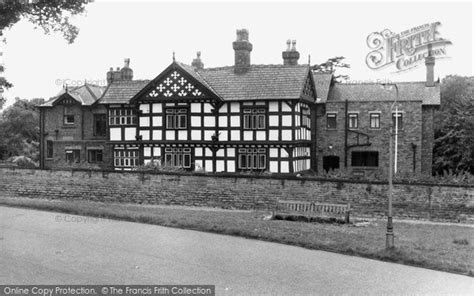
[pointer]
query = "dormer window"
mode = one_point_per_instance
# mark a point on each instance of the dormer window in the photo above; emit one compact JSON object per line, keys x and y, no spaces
{"x":254,"y":118}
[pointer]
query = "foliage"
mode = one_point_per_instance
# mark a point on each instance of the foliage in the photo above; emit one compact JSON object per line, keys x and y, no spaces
{"x":447,"y":177}
{"x":19,"y":127}
{"x":454,"y":132}
{"x":23,"y":162}
{"x":156,"y":166}
{"x":50,"y":15}
{"x":330,"y":67}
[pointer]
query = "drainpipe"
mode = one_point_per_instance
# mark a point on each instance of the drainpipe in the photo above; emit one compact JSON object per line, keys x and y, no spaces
{"x":346,"y":104}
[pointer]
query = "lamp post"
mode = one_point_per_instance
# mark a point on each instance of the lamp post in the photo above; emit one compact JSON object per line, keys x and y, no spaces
{"x":390,"y":236}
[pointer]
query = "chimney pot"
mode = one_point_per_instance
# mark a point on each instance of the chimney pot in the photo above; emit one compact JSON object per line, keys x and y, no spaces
{"x":291,"y":55}
{"x":127,"y":63}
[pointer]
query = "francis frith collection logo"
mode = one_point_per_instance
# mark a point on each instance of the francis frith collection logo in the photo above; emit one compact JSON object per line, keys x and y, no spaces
{"x":407,"y":49}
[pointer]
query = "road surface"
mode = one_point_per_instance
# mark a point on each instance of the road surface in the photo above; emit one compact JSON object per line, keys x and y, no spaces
{"x":39,"y":247}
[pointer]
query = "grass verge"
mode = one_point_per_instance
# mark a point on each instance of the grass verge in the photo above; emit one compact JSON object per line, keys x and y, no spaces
{"x":436,"y":246}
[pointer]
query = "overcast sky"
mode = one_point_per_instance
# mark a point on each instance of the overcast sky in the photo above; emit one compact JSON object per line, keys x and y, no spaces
{"x":148,"y":33}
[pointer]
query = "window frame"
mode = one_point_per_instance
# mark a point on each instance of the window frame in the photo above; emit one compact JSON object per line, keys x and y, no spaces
{"x":250,"y":159}
{"x":176,"y":118}
{"x":399,"y":116}
{"x":67,"y":115}
{"x":94,"y":153}
{"x":331,"y":115}
{"x":95,"y":122}
{"x":351,"y":115}
{"x":76,"y":155}
{"x":49,"y":149}
{"x":365,"y":160}
{"x":254,"y":117}
{"x":122,"y":116}
{"x":126,"y":158}
{"x":373,"y":115}
{"x":305,"y":117}
{"x":178,"y":157}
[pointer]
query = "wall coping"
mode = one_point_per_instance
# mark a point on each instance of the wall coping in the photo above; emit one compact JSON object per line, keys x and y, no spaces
{"x":282,"y":177}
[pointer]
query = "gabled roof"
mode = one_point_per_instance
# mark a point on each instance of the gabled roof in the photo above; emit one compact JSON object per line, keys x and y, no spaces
{"x":120,"y":92}
{"x":261,"y":82}
{"x":85,"y":95}
{"x":160,"y":86}
{"x":407,"y":91}
{"x":322,"y":83}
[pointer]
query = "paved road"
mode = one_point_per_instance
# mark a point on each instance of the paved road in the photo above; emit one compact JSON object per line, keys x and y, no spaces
{"x":48,"y":248}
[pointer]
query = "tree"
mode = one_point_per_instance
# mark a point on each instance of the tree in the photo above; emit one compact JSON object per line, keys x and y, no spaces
{"x":330,"y":67}
{"x":50,"y":15}
{"x":454,"y":131}
{"x":19,"y":127}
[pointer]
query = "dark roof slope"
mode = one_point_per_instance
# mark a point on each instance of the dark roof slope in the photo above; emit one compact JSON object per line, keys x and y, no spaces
{"x":120,"y":92}
{"x":408,"y":91}
{"x":322,"y":83}
{"x":86,"y":94}
{"x":261,"y":82}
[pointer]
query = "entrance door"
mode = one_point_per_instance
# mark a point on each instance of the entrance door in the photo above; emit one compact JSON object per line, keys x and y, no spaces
{"x":330,"y":163}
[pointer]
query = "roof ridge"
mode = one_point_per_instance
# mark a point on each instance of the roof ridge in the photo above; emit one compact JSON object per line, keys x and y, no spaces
{"x":378,"y":83}
{"x":90,"y":91}
{"x":256,"y":66}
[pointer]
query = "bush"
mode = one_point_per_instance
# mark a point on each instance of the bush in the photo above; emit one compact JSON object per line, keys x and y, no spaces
{"x":23,"y":162}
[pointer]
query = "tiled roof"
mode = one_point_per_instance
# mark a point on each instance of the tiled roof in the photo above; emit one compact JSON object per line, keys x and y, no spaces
{"x":86,"y":94}
{"x":195,"y":75}
{"x":121,"y":92}
{"x":407,"y":91}
{"x":261,"y":82}
{"x":322,"y":83}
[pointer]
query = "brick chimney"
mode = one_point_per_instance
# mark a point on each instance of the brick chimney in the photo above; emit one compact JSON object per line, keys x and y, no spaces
{"x":291,"y":55}
{"x":124,"y":74}
{"x":242,"y":48}
{"x":429,"y":63}
{"x":127,"y":72}
{"x":197,"y":63}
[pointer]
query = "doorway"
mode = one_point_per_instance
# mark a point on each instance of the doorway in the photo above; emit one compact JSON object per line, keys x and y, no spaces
{"x":330,"y":163}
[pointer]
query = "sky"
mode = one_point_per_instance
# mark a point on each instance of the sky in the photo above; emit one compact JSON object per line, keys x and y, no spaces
{"x":148,"y":32}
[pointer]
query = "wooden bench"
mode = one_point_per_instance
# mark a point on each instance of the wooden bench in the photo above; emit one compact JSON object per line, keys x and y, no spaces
{"x":305,"y":208}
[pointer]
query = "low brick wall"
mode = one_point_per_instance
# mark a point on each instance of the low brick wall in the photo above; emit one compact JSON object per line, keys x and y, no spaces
{"x":434,"y":202}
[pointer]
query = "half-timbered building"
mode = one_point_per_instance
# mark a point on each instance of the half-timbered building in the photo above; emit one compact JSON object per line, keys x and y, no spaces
{"x":246,"y":117}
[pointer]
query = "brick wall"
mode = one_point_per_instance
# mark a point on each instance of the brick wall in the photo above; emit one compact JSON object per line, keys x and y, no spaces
{"x":427,"y":139}
{"x":240,"y":192}
{"x":77,"y":136}
{"x":379,"y":138}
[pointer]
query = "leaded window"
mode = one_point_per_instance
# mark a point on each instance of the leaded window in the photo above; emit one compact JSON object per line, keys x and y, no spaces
{"x":126,"y":158}
{"x":126,"y":116}
{"x":178,"y":157}
{"x":176,"y":118}
{"x":305,"y":117}
{"x":254,"y":118}
{"x":252,"y":159}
